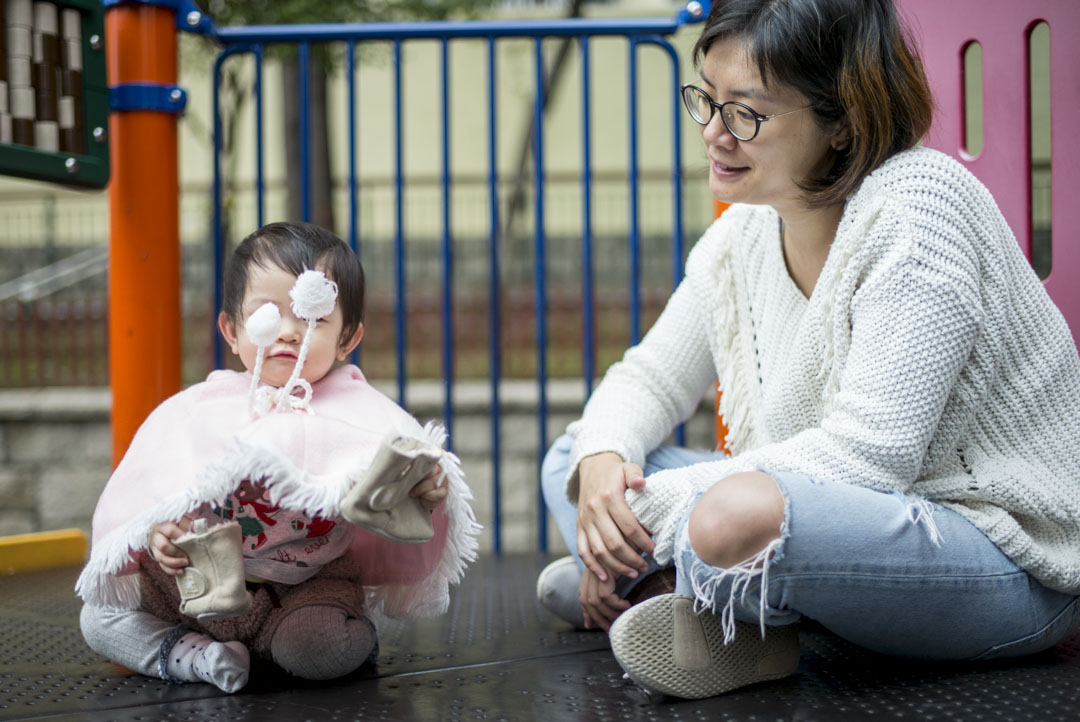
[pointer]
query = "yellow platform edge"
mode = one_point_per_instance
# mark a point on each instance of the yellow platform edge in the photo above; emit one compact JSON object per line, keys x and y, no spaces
{"x":42,"y":550}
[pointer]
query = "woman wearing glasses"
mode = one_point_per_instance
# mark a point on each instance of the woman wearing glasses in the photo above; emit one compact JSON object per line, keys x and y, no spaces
{"x":903,"y":396}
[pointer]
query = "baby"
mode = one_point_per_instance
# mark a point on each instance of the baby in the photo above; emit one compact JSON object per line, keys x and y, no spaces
{"x":278,"y":513}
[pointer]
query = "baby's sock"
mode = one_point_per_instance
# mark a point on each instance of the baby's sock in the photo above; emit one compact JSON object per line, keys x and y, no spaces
{"x":198,"y":658}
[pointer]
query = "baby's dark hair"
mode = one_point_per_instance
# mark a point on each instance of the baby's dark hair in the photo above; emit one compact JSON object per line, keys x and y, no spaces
{"x":297,"y":247}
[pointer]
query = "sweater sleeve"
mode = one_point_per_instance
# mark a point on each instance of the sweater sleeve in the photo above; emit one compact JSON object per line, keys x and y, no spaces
{"x":913,"y":325}
{"x":656,"y":386}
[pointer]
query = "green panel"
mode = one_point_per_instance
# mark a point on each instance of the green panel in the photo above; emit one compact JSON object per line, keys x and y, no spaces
{"x":92,"y":168}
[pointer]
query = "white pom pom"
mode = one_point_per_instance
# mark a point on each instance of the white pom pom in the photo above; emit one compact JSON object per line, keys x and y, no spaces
{"x":313,"y":296}
{"x":264,"y":325}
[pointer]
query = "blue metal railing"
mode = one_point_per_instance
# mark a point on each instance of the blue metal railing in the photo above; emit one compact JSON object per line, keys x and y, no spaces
{"x":254,"y":39}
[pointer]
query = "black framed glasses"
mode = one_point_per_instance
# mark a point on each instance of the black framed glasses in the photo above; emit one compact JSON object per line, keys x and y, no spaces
{"x":740,"y":119}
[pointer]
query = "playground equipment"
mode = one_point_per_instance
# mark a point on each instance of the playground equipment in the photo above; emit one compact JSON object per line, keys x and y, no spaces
{"x":1004,"y":29}
{"x":53,"y":98}
{"x":495,"y":654}
{"x":141,"y":135}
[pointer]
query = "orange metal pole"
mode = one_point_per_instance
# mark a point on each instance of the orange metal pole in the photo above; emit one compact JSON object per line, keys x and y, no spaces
{"x":721,"y":427}
{"x":144,"y":228}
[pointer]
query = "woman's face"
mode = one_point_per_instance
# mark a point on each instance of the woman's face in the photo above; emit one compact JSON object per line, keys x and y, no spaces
{"x":786,"y":151}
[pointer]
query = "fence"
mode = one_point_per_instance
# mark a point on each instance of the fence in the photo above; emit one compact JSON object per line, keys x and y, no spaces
{"x":492,"y":305}
{"x":53,"y":264}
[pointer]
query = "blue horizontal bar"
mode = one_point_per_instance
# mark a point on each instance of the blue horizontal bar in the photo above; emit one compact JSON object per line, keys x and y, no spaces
{"x":437,"y":30}
{"x":147,"y":96}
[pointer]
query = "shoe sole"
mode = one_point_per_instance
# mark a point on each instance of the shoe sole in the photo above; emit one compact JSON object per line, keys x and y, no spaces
{"x":667,"y":649}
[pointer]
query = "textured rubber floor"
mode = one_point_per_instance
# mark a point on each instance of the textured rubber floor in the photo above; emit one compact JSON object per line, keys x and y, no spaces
{"x":667,"y":649}
{"x":497,"y":655}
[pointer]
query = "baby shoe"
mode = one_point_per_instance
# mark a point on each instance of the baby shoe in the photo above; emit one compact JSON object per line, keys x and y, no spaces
{"x":666,"y":648}
{"x":380,"y":501}
{"x":212,"y":585}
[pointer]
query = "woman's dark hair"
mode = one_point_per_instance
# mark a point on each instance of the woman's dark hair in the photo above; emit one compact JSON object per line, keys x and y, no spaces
{"x":297,"y":247}
{"x":854,"y":62}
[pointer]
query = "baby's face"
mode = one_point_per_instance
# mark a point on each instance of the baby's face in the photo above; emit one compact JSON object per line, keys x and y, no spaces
{"x":272,"y":285}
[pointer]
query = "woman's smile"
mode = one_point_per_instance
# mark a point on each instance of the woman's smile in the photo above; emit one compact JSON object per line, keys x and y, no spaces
{"x":727,"y":171}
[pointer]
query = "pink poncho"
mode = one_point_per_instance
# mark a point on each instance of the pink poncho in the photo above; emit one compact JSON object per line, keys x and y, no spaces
{"x":197,"y":446}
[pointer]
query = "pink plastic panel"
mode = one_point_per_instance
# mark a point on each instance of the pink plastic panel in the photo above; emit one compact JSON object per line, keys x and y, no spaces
{"x":943,"y":29}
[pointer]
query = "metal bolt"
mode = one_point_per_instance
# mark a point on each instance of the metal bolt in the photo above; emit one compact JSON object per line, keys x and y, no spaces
{"x":176,"y":95}
{"x":694,"y":8}
{"x":72,"y":166}
{"x":95,"y":41}
{"x":99,"y":134}
{"x":194,"y":18}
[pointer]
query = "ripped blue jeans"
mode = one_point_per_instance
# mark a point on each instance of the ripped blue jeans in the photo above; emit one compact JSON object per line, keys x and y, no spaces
{"x":893,"y":574}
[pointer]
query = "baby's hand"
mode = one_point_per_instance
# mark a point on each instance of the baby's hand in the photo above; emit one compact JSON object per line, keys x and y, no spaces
{"x":169,"y":557}
{"x":431,"y":495}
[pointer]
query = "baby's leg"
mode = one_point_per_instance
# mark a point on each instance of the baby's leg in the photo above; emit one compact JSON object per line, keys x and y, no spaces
{"x":149,"y":645}
{"x":322,"y":642}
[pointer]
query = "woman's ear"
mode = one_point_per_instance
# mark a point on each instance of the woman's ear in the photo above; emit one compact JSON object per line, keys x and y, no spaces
{"x":841,"y":139}
{"x":347,"y":348}
{"x":228,"y":332}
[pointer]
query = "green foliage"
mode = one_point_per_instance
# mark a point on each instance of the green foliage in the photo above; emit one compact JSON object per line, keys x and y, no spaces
{"x":289,"y":12}
{"x":279,"y":12}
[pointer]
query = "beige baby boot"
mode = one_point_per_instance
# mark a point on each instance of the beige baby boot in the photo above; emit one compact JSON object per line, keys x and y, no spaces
{"x":212,"y":585}
{"x":380,"y":501}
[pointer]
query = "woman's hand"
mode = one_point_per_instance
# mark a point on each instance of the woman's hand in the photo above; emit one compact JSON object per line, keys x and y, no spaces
{"x":599,"y":603}
{"x":429,"y":491}
{"x":610,"y":539}
{"x":169,"y":557}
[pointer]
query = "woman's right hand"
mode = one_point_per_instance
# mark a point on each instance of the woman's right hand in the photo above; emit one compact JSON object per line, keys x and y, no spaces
{"x":169,"y":557}
{"x":610,"y":540}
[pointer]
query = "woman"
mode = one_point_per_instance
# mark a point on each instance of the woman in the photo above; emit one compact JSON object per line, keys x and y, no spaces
{"x":903,"y":396}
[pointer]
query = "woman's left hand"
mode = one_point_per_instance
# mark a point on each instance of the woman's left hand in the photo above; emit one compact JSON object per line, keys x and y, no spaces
{"x":428,"y":489}
{"x":599,"y":603}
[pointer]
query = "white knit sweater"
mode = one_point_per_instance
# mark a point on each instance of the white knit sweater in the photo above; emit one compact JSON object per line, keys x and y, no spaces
{"x":928,"y":360}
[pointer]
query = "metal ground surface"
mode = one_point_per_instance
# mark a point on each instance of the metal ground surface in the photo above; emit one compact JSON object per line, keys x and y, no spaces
{"x":497,"y":656}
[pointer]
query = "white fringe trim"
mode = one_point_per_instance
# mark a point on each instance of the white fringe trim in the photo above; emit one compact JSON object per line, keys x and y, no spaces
{"x":736,"y":375}
{"x":922,"y":510}
{"x":100,"y":585}
{"x":741,"y":575}
{"x":432,"y":596}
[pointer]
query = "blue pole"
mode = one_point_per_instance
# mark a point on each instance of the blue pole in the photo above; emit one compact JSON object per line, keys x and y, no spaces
{"x":495,"y":299}
{"x":305,"y":165}
{"x":354,"y":220}
{"x":350,"y":69}
{"x":399,"y":229}
{"x":676,"y":182}
{"x":632,"y":174}
{"x":260,"y":182}
{"x":217,"y":250}
{"x":588,"y":332}
{"x":541,"y":289}
{"x":447,"y":256}
{"x":437,"y":30}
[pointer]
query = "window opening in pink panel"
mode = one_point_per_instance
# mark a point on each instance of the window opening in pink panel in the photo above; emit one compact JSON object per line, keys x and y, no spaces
{"x":972,"y":104}
{"x":1039,"y":129}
